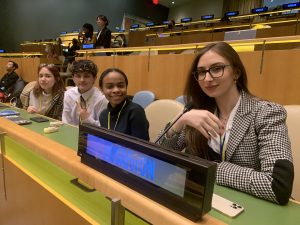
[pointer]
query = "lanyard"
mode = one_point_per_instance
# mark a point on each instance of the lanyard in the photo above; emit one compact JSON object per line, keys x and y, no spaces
{"x":108,"y":120}
{"x":222,"y":149}
{"x":40,"y":104}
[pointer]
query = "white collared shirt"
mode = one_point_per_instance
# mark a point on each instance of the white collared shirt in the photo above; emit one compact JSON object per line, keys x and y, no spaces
{"x":95,"y":103}
{"x":214,"y":142}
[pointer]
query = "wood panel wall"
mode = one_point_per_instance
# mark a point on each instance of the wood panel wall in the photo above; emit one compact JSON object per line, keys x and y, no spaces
{"x":275,"y":77}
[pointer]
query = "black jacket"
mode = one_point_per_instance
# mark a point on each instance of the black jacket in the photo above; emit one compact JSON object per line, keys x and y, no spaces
{"x":104,"y":38}
{"x":8,"y":81}
{"x":132,"y":119}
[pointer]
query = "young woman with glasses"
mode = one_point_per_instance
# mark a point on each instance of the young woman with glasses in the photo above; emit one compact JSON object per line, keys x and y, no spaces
{"x":46,"y":97}
{"x":245,"y":135}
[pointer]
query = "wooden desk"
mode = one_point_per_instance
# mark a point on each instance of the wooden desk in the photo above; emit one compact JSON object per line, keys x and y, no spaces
{"x":52,"y":165}
{"x":39,"y":158}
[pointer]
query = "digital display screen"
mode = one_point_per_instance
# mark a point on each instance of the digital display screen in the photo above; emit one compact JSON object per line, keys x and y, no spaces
{"x":233,"y":13}
{"x":291,"y":5}
{"x":165,"y":175}
{"x":87,"y":46}
{"x":207,"y":17}
{"x":173,"y":179}
{"x":63,"y":32}
{"x":259,"y":10}
{"x":2,"y":50}
{"x":150,"y":24}
{"x":166,"y":22}
{"x":185,"y":20}
{"x":134,"y":26}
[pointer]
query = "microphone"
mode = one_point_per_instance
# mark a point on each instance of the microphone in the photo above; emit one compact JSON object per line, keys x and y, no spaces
{"x":187,"y":108}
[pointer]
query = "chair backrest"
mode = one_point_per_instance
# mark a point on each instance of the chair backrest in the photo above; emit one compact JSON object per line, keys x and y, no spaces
{"x":293,"y":123}
{"x":18,"y":87}
{"x":181,"y":99}
{"x":159,"y":113}
{"x":143,"y":98}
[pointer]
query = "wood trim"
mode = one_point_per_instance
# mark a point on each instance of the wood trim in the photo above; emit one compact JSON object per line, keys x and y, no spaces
{"x":69,"y":161}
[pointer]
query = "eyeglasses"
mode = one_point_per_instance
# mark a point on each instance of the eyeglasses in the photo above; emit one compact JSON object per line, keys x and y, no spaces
{"x":214,"y":72}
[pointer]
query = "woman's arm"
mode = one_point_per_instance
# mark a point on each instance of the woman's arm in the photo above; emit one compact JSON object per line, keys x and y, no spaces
{"x":274,"y":180}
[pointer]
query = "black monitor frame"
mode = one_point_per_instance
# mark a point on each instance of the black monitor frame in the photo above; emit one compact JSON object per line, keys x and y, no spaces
{"x":232,"y":13}
{"x":259,"y":10}
{"x":200,"y":172}
{"x":291,"y":5}
{"x":186,"y":20}
{"x":88,"y":46}
{"x":208,"y":17}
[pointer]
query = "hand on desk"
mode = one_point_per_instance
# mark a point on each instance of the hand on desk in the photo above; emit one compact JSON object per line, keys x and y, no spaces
{"x":32,"y":109}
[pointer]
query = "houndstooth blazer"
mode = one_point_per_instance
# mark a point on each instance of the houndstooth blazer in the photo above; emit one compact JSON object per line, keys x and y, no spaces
{"x":258,"y":155}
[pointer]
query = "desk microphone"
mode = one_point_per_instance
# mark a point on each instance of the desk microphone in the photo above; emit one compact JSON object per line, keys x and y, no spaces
{"x":187,"y":108}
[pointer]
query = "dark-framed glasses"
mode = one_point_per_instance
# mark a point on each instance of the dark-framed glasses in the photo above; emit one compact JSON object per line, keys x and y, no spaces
{"x":214,"y":72}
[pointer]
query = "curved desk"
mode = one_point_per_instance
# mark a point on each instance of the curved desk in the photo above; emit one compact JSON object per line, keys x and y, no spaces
{"x":38,"y":168}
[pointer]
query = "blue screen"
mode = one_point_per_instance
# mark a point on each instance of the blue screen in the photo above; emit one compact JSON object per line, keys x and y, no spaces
{"x":234,"y":13}
{"x":259,"y":10}
{"x":291,"y":5}
{"x":150,"y":24}
{"x":207,"y":17}
{"x":160,"y":173}
{"x":87,"y":46}
{"x":185,"y":20}
{"x":2,"y":50}
{"x":133,"y":26}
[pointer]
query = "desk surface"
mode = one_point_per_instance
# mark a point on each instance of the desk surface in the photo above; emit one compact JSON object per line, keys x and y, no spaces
{"x":257,"y":211}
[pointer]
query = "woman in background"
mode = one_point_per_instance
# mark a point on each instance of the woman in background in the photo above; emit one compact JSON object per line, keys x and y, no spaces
{"x":121,"y":114}
{"x":46,"y":97}
{"x":104,"y":34}
{"x":86,"y":36}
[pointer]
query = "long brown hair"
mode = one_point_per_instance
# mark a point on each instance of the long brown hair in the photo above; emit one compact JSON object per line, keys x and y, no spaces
{"x":58,"y":86}
{"x":196,"y":142}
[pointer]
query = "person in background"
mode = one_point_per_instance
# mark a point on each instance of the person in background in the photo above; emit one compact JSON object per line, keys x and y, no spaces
{"x":121,"y":114}
{"x":171,"y":25}
{"x":71,"y":53}
{"x":225,"y":19}
{"x":245,"y":135}
{"x":86,"y":36}
{"x":7,"y":82}
{"x":46,"y":97}
{"x":104,"y":34}
{"x":83,"y":103}
{"x":50,"y":50}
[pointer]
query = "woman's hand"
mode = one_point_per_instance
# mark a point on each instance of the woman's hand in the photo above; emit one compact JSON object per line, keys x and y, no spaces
{"x":32,"y":109}
{"x":204,"y":121}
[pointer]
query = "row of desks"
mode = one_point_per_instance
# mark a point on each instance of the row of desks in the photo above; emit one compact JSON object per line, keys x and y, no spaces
{"x":50,"y":161}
